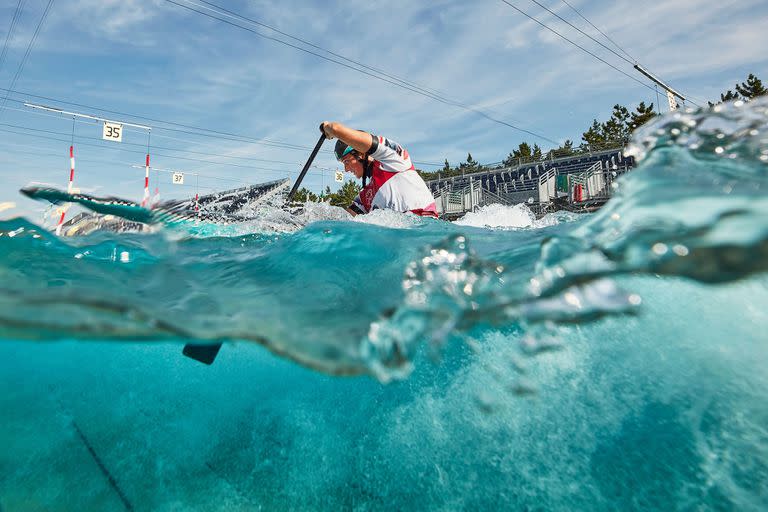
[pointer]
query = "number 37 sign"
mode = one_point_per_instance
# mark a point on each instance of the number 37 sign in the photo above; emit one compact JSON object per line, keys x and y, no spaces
{"x":112,"y":131}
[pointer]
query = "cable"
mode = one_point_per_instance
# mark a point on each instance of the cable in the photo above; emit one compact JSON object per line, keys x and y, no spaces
{"x":576,"y":44}
{"x":397,"y":82}
{"x":101,"y":146}
{"x":601,"y":32}
{"x":308,"y":43}
{"x":220,"y":134}
{"x":238,"y":139}
{"x":26,"y":54}
{"x":628,"y":61}
{"x":92,"y":123}
{"x":16,"y":14}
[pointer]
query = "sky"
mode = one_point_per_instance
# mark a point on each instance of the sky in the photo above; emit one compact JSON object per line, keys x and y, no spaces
{"x":229,"y":107}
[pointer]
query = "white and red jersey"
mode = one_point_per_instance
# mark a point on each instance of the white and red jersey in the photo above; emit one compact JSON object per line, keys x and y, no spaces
{"x":394,"y":184}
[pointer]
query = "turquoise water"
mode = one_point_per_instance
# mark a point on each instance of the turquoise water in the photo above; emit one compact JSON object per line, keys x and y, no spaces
{"x":599,"y":362}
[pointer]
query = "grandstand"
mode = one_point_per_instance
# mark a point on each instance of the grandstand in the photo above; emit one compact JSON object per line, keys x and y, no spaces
{"x":576,"y":182}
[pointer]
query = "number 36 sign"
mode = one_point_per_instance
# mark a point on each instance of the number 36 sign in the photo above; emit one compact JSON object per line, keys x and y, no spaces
{"x":112,"y":131}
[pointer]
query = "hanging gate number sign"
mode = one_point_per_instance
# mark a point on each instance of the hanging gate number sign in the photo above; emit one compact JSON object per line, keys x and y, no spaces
{"x":112,"y":131}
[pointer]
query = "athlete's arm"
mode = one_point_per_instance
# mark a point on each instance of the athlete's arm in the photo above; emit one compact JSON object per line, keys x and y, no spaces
{"x":360,"y":141}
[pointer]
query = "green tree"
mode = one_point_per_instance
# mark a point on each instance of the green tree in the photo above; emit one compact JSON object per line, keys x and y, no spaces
{"x":536,"y":152}
{"x":566,"y":149}
{"x":523,"y":152}
{"x":470,"y":165}
{"x":748,"y":90}
{"x":303,"y":195}
{"x":616,"y":129}
{"x":345,"y":195}
{"x":640,"y":116}
{"x":510,"y":161}
{"x":726,"y":96}
{"x":593,"y":137}
{"x":752,"y":88}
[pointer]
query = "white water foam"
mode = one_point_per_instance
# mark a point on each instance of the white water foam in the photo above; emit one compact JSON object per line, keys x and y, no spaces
{"x":499,"y":216}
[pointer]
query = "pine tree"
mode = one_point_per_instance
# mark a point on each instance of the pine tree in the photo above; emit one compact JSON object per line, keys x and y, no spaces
{"x":536,"y":153}
{"x":446,"y":168}
{"x":469,"y":166}
{"x":523,"y":152}
{"x":752,"y":88}
{"x":616,"y":130}
{"x":510,"y":161}
{"x":593,"y":137}
{"x":640,"y":116}
{"x":303,"y":195}
{"x":345,"y":195}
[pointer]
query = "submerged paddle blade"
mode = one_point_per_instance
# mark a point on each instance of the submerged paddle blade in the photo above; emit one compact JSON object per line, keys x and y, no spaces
{"x":204,"y":353}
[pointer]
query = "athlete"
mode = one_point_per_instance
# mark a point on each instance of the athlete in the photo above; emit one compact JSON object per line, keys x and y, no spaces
{"x":394,"y":182}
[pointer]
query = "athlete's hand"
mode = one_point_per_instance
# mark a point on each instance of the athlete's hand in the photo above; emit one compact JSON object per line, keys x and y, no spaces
{"x":325,"y":127}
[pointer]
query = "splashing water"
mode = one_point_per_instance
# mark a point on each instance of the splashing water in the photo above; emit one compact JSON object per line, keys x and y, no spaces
{"x":638,"y":332}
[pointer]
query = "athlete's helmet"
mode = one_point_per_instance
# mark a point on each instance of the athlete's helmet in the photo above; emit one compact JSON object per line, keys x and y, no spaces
{"x":342,"y":149}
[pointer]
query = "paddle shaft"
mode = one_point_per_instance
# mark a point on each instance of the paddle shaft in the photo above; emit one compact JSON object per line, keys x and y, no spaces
{"x":306,"y":168}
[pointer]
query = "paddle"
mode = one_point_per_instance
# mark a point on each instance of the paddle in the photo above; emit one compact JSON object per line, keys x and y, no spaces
{"x":207,"y":353}
{"x":306,"y":168}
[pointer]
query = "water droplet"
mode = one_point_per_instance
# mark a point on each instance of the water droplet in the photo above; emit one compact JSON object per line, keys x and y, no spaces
{"x":615,"y":216}
{"x":680,"y":250}
{"x":660,"y":249}
{"x":635,"y":299}
{"x":675,"y":131}
{"x":125,"y":257}
{"x":719,"y":150}
{"x":572,"y":299}
{"x":738,"y":103}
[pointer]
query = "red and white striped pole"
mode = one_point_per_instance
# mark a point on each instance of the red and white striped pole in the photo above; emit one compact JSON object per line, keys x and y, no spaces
{"x":145,"y":201}
{"x":69,"y":185}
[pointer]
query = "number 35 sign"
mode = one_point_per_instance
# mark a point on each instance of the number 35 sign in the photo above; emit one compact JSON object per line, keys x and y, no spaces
{"x":112,"y":131}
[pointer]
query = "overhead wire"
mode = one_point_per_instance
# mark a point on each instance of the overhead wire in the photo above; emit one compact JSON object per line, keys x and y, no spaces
{"x":553,"y":13}
{"x":26,"y":54}
{"x":91,"y":123}
{"x":313,"y":45}
{"x":201,"y":132}
{"x":102,"y":146}
{"x":14,"y":19}
{"x":396,"y":81}
{"x":544,"y":25}
{"x":600,"y":31}
{"x":617,"y":45}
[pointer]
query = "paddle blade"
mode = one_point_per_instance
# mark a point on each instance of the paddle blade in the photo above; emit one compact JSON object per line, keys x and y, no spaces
{"x":204,"y":353}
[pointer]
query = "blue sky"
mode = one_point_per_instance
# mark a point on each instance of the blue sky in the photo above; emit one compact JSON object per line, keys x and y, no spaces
{"x":152,"y":58}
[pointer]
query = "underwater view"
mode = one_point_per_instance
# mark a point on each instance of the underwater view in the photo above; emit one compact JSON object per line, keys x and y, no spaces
{"x":606,"y":361}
